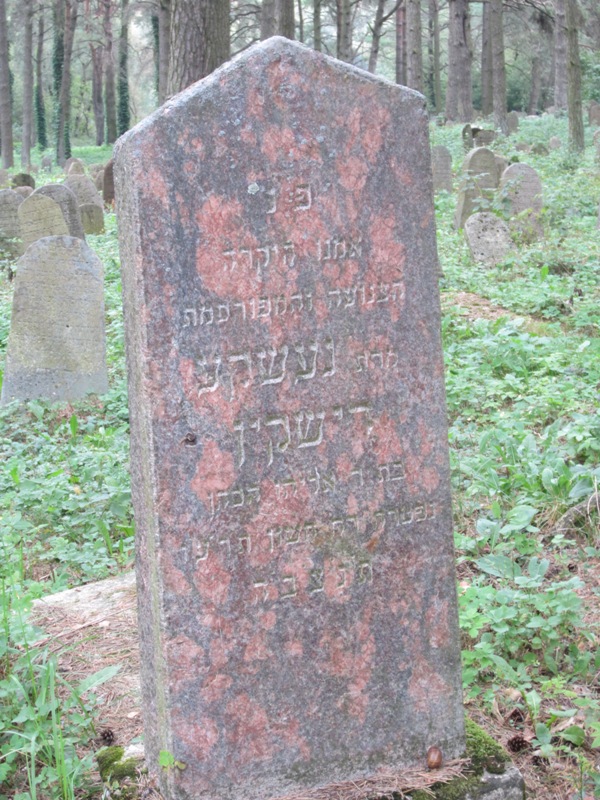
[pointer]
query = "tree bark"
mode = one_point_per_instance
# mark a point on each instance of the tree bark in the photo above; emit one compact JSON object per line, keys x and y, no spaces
{"x":434,"y":80}
{"x":575,"y":109}
{"x":536,"y":85}
{"x":300,"y":22}
{"x":401,"y":44}
{"x":27,"y":133}
{"x":63,"y":144}
{"x":109,"y":77}
{"x":285,"y":18}
{"x":498,"y":65}
{"x":414,"y":45}
{"x":97,"y":56}
{"x":40,"y":110}
{"x":317,"y":34}
{"x":487,"y":71}
{"x":164,"y":36}
{"x":459,"y":100}
{"x":199,"y":40}
{"x":6,"y":134}
{"x":268,"y":24}
{"x":560,"y":56}
{"x":376,"y":39}
{"x":344,"y":30}
{"x":123,"y":116}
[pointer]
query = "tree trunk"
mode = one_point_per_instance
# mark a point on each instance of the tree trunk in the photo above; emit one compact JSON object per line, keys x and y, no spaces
{"x":5,"y":98}
{"x":109,"y":77}
{"x":285,"y":18}
{"x":123,"y":116}
{"x":498,"y":65}
{"x":344,"y":30}
{"x":401,"y":44}
{"x":164,"y":37}
{"x":40,"y":110}
{"x":572,"y":18}
{"x":459,"y":100}
{"x":63,"y":143}
{"x":536,"y":85}
{"x":560,"y":55}
{"x":300,"y":22}
{"x":487,"y":72}
{"x":97,"y":104}
{"x":267,"y":19}
{"x":27,"y":134}
{"x":433,"y":47}
{"x":377,"y":28}
{"x":199,"y":40}
{"x":317,"y":34}
{"x":414,"y":46}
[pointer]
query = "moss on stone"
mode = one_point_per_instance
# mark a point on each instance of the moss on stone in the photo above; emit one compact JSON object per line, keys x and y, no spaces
{"x":111,"y":766}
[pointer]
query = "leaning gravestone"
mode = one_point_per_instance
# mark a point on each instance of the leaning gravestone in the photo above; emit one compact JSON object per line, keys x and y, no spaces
{"x":522,"y":189}
{"x":10,"y":230}
{"x":65,"y":198}
{"x":298,"y":616}
{"x":512,"y":122}
{"x":56,"y":344}
{"x":92,"y":217}
{"x":84,"y":189}
{"x":479,"y":179}
{"x":441,"y":165}
{"x":24,"y":191}
{"x":40,"y":216}
{"x":488,"y":238}
{"x":108,"y":185}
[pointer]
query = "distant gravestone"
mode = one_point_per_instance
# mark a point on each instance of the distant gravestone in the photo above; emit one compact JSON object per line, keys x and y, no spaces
{"x":479,"y":179}
{"x":555,"y":143}
{"x":92,"y":217}
{"x":76,"y":168}
{"x":522,"y":188}
{"x":99,"y":180}
{"x":70,"y":161}
{"x":501,"y":165}
{"x":84,"y":189}
{"x":512,"y":122}
{"x":108,"y":186}
{"x":594,"y":113}
{"x":523,"y":147}
{"x":23,"y":179}
{"x":484,"y":137}
{"x":540,"y":149}
{"x":10,"y":231}
{"x":56,"y":344}
{"x":67,"y":201}
{"x":488,"y":238}
{"x":441,"y":165}
{"x":4,"y":179}
{"x":23,"y":191}
{"x":40,"y":216}
{"x":467,"y":137}
{"x":290,"y":475}
{"x":47,"y":163}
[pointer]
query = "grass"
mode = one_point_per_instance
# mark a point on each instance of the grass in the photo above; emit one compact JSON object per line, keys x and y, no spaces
{"x":523,"y":385}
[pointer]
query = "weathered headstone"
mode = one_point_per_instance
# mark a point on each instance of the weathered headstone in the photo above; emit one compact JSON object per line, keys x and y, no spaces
{"x":488,"y":238}
{"x":523,"y":147}
{"x":484,"y":137}
{"x":10,"y":231}
{"x":441,"y":165}
{"x":501,"y":165}
{"x":289,"y":446}
{"x":479,"y":179}
{"x":555,"y":143}
{"x":4,"y":179}
{"x":108,"y":187}
{"x":76,"y":168}
{"x":84,"y":189}
{"x":56,"y":344}
{"x":467,"y":137}
{"x":512,"y":122}
{"x":540,"y":149}
{"x":47,"y":163}
{"x":522,"y":188}
{"x":92,"y":217}
{"x":24,"y":191}
{"x":99,"y":180}
{"x":40,"y":216}
{"x":23,"y":179}
{"x":71,"y":161}
{"x":65,"y":198}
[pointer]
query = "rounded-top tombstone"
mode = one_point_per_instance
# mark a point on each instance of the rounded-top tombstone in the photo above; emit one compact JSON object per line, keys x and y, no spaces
{"x":67,"y":201}
{"x":40,"y":216}
{"x":290,"y":473}
{"x":10,"y":230}
{"x":522,"y":187}
{"x":479,"y":180}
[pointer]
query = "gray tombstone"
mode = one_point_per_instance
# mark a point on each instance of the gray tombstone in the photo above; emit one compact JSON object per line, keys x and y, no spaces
{"x":92,"y":217}
{"x":23,"y":179}
{"x":108,"y":186}
{"x":56,"y":345}
{"x":441,"y":165}
{"x":523,"y":147}
{"x":555,"y":143}
{"x":467,"y":137}
{"x":10,"y":230}
{"x":501,"y":165}
{"x":488,"y":238}
{"x":540,"y":149}
{"x":65,"y":198}
{"x":24,"y":191}
{"x":512,"y":122}
{"x":47,"y":163}
{"x":290,"y":473}
{"x":70,"y":161}
{"x":522,"y":188}
{"x":76,"y":168}
{"x":484,"y":137}
{"x":479,"y":179}
{"x":84,"y":189}
{"x":99,"y":179}
{"x":4,"y":179}
{"x":40,"y":216}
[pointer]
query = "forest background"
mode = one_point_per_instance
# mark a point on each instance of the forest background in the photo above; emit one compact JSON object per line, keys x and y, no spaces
{"x":85,"y":70}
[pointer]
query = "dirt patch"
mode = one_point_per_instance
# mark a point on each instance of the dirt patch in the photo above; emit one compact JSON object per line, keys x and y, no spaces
{"x":476,"y":307}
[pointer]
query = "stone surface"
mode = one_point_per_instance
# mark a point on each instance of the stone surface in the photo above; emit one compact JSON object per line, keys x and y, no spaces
{"x":23,"y":179}
{"x":108,"y":186}
{"x":540,"y":149}
{"x":522,"y":188}
{"x":523,"y":147}
{"x":65,"y":198}
{"x":47,"y":163}
{"x":512,"y":122}
{"x":479,"y":179}
{"x":484,"y":137}
{"x":4,"y":179}
{"x":467,"y":137}
{"x":56,"y":343}
{"x":594,"y":113}
{"x":76,"y":168}
{"x":40,"y":216}
{"x":289,"y":445}
{"x":488,"y":238}
{"x":10,"y":231}
{"x":507,"y":786}
{"x":501,"y":165}
{"x":92,"y":217}
{"x":99,"y":180}
{"x":84,"y":189}
{"x":554,"y":143}
{"x":24,"y":191}
{"x":441,"y":165}
{"x":71,"y":161}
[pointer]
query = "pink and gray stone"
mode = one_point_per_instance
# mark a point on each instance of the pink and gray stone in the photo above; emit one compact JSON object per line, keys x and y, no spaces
{"x":290,"y":473}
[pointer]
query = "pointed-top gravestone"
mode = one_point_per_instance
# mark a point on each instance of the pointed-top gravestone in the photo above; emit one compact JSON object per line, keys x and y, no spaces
{"x":290,"y":473}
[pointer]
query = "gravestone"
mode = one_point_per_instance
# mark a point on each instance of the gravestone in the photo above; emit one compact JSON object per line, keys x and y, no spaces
{"x":23,"y":179}
{"x":555,"y":143}
{"x":40,"y":216}
{"x":47,"y":163}
{"x":76,"y":168}
{"x":523,"y":147}
{"x":467,"y":137}
{"x":289,"y":446}
{"x":4,"y":179}
{"x":67,"y":201}
{"x":23,"y":191}
{"x":540,"y":149}
{"x":56,"y":344}
{"x":488,"y":238}
{"x":501,"y":165}
{"x":522,"y":188}
{"x":83,"y":188}
{"x":108,"y":187}
{"x":484,"y":137}
{"x":71,"y":161}
{"x":99,"y":180}
{"x":594,"y":113}
{"x":479,"y":179}
{"x":441,"y":165}
{"x":92,"y":217}
{"x":10,"y":230}
{"x":512,"y":122}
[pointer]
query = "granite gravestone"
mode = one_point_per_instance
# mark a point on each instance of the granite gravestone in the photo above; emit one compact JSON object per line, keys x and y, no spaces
{"x":84,"y":189}
{"x":484,"y":137}
{"x":480,"y":178}
{"x":10,"y":231}
{"x":68,"y":203}
{"x":297,"y":617}
{"x":92,"y":217}
{"x":522,"y":188}
{"x":512,"y":122}
{"x":40,"y":216}
{"x":441,"y":165}
{"x":23,"y":191}
{"x":488,"y":238}
{"x":108,"y":185}
{"x":56,"y":343}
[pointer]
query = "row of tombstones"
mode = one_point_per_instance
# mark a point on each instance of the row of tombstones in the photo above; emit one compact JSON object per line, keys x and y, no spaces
{"x":56,"y":346}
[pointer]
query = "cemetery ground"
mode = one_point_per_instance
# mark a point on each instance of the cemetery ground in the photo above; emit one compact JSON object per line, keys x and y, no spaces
{"x":522,"y":350}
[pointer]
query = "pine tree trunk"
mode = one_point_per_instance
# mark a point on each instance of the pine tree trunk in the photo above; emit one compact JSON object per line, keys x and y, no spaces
{"x":459,"y":100}
{"x":109,"y":77}
{"x":268,"y":24}
{"x":285,"y":18}
{"x":536,"y":85}
{"x":164,"y":37}
{"x":344,"y":30}
{"x":487,"y":72}
{"x":433,"y":47}
{"x":317,"y":34}
{"x":5,"y":98}
{"x":377,"y":27}
{"x":300,"y":22}
{"x":199,"y":40}
{"x":123,"y":116}
{"x":560,"y":56}
{"x":575,"y":109}
{"x":414,"y":46}
{"x":97,"y":104}
{"x":27,"y":133}
{"x":401,"y":44}
{"x":63,"y":142}
{"x":498,"y":65}
{"x":40,"y":110}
